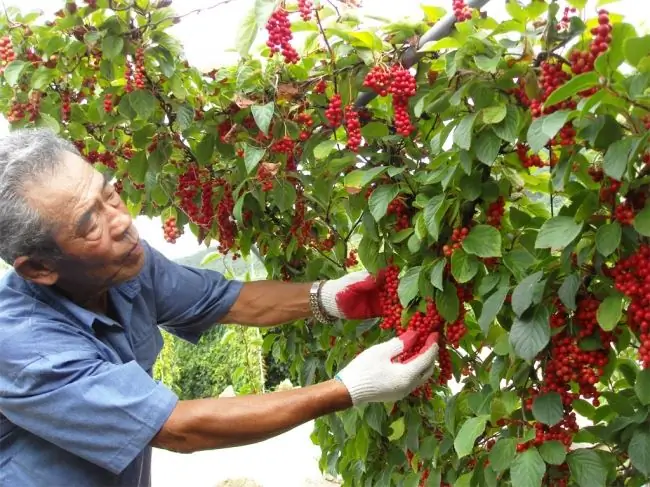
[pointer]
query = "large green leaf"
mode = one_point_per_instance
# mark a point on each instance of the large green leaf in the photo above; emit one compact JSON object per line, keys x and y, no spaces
{"x":491,"y":308}
{"x":252,"y":157}
{"x":587,"y":468}
{"x":608,"y":238}
{"x":143,"y":102}
{"x":557,"y":233}
{"x":13,"y":70}
{"x":530,"y":334}
{"x":463,"y":266}
{"x":483,"y":241}
{"x":528,"y":469}
{"x":619,"y":155}
{"x":610,"y":312}
{"x":548,"y":408}
{"x":553,"y":452}
{"x":112,"y":46}
{"x":639,"y":449}
{"x":381,"y":198}
{"x":463,"y":132}
{"x":408,"y":285}
{"x":572,"y":87}
{"x":468,"y":433}
{"x":522,"y":296}
{"x":263,"y":114}
{"x":447,"y":302}
{"x":642,"y":222}
{"x":642,"y":386}
{"x":503,"y":453}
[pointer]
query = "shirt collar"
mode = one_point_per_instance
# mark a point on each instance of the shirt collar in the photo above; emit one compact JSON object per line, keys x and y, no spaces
{"x":128,"y":290}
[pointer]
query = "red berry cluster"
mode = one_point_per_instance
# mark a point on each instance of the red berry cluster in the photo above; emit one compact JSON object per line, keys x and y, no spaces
{"x":402,"y":87}
{"x":461,"y":10}
{"x":379,"y":80}
{"x":171,"y":231}
{"x":320,"y":87}
{"x":608,"y":191}
{"x":624,"y":213}
{"x":496,"y":211}
{"x":108,"y":103}
{"x":389,"y":300}
{"x":285,"y":145}
{"x":583,"y":61}
{"x":351,"y":260}
{"x":457,"y":236}
{"x":225,"y":220}
{"x":189,"y":185}
{"x":279,"y":29}
{"x":399,"y":208}
{"x":305,"y":7}
{"x":7,"y":53}
{"x":566,"y":135}
{"x":528,"y":161}
{"x":551,"y":78}
{"x":140,"y":74}
{"x":65,"y":105}
{"x":632,"y":277}
{"x":353,"y":127}
{"x":457,"y":330}
{"x":265,"y":176}
{"x":334,"y":113}
{"x":301,"y":227}
{"x":565,"y":21}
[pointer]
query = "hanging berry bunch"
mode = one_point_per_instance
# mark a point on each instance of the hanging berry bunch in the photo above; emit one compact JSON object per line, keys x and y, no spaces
{"x":279,"y":29}
{"x":171,"y":230}
{"x":353,"y":127}
{"x":461,"y":10}
{"x":305,"y":7}
{"x":334,"y":112}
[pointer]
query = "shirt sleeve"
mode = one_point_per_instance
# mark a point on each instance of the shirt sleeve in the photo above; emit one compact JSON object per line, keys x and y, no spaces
{"x":189,"y":301}
{"x":103,"y":412}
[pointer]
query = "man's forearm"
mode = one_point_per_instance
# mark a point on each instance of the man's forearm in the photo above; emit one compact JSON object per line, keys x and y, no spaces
{"x":205,"y":424}
{"x":270,"y":303}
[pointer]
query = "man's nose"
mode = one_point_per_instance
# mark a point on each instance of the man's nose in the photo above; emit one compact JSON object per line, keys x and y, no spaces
{"x":120,"y":223}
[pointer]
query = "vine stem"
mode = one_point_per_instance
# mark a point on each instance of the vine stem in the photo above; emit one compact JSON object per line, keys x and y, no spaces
{"x":329,"y":49}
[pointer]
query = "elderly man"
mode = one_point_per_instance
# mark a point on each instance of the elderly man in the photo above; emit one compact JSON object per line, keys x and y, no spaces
{"x":79,"y":317}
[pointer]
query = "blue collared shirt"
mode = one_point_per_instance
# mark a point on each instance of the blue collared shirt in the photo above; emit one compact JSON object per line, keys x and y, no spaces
{"x":78,"y":404}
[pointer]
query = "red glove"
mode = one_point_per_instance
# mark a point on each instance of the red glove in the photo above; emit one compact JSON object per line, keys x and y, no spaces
{"x":354,"y":296}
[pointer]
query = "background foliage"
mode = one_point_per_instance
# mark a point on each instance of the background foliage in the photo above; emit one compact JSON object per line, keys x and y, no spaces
{"x":503,"y":179}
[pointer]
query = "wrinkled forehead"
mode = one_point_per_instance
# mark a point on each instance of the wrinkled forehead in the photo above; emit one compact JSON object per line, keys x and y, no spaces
{"x":73,"y":186}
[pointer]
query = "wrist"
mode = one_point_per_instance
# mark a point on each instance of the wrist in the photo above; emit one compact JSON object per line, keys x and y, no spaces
{"x":340,"y":394}
{"x":319,"y":303}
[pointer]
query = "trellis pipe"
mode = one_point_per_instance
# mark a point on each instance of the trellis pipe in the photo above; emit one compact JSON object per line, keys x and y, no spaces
{"x":440,"y":30}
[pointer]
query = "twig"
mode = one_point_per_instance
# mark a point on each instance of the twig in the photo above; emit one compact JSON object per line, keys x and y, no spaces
{"x":195,"y":11}
{"x":329,"y":48}
{"x":336,"y":9}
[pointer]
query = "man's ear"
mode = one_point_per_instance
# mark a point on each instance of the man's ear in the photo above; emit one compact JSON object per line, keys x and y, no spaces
{"x":36,"y":271}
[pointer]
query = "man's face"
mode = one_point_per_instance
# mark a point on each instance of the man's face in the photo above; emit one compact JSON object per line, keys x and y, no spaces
{"x":92,"y":225}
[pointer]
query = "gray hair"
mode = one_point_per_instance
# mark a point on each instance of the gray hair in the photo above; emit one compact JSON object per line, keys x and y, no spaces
{"x":27,"y":155}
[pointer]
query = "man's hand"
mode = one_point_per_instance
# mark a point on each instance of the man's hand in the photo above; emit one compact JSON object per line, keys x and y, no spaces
{"x":373,"y":376}
{"x":354,"y":296}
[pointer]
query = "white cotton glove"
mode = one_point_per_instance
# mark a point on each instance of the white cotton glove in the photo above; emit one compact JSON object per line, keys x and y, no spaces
{"x":354,"y":296}
{"x":373,"y":376}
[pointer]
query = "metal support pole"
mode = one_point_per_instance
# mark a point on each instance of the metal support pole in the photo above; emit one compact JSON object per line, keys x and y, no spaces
{"x":411,"y":56}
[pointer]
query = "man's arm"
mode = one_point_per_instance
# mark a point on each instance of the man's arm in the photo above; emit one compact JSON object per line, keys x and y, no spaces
{"x":205,"y":424}
{"x":270,"y":303}
{"x":372,"y":376}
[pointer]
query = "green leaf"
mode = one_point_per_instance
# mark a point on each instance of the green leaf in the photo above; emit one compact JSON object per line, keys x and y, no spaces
{"x":360,"y":177}
{"x":263,"y":114}
{"x":408,"y":285}
{"x":437,"y":273}
{"x":463,"y":132}
{"x":548,"y":408}
{"x":431,"y":214}
{"x":610,"y":312}
{"x":642,"y":386}
{"x":502,"y":454}
{"x":397,"y":427}
{"x":252,"y":157}
{"x":639,"y":450}
{"x":205,"y":149}
{"x":324,"y":149}
{"x":522,"y":296}
{"x":483,"y":241}
{"x":246,"y":33}
{"x":463,"y":266}
{"x":184,"y":116}
{"x":494,"y":114}
{"x":619,"y":155}
{"x":374,"y":130}
{"x":636,"y":48}
{"x":608,"y":238}
{"x":12,"y":72}
{"x":568,"y":291}
{"x":488,"y":64}
{"x":553,"y":452}
{"x":469,"y":432}
{"x":491,"y":308}
{"x":447,"y":302}
{"x":284,"y":195}
{"x":572,"y":87}
{"x":587,"y":468}
{"x":143,"y":102}
{"x":487,"y":146}
{"x":529,"y":335}
{"x":112,"y":46}
{"x":642,"y":222}
{"x":557,"y":233}
{"x":508,"y":129}
{"x":543,"y":129}
{"x":381,"y":198}
{"x":528,"y":468}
